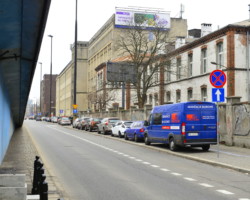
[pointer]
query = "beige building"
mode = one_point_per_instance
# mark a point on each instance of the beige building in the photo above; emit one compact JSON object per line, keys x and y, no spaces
{"x":65,"y":83}
{"x":102,"y":49}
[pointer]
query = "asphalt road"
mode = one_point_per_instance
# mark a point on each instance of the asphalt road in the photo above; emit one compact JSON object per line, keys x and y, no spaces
{"x":92,"y":166}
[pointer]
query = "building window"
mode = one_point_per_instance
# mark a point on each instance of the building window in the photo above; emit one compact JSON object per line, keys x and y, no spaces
{"x":178,"y":69}
{"x":203,"y":93}
{"x":219,"y":55}
{"x":178,"y":96}
{"x":150,"y":99}
{"x":190,"y":94}
{"x":156,"y":99}
{"x":168,"y":73}
{"x":168,"y":96}
{"x":190,"y":65}
{"x":203,"y":60}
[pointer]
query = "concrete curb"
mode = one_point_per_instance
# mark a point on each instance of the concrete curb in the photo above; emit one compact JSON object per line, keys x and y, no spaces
{"x":206,"y":161}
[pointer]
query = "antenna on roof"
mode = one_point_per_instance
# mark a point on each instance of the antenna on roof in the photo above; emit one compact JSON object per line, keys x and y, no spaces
{"x":182,"y":10}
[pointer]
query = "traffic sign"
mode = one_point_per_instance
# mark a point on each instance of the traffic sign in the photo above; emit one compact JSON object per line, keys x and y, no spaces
{"x":75,"y":111}
{"x":61,"y":111}
{"x":218,"y":78}
{"x":75,"y":106}
{"x":218,"y":94}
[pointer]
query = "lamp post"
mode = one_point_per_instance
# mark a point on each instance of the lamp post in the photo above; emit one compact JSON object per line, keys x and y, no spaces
{"x":51,"y":37}
{"x":75,"y":64}
{"x":215,"y":63}
{"x":40,"y":86}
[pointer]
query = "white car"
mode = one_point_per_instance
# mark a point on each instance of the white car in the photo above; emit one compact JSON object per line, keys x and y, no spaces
{"x":119,"y":128}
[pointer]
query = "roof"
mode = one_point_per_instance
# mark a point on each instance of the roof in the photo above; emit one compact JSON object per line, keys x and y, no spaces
{"x":22,"y":25}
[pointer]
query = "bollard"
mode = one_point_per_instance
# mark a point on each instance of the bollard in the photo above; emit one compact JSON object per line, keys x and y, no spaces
{"x":43,"y":188}
{"x":40,"y":174}
{"x":37,"y":163}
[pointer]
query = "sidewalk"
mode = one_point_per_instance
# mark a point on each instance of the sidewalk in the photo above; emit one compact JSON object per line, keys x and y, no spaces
{"x":19,"y":159}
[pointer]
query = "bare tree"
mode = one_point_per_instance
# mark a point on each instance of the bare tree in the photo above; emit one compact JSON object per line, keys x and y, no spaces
{"x":146,"y":50}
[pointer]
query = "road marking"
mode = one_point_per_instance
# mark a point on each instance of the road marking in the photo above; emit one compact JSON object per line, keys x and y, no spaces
{"x":131,"y":157}
{"x":176,"y":174}
{"x":155,"y":166}
{"x":206,"y":185}
{"x":224,"y":192}
{"x":165,"y":170}
{"x":125,"y":155}
{"x":189,"y":179}
{"x":139,"y":160}
{"x":244,"y":199}
{"x":146,"y":163}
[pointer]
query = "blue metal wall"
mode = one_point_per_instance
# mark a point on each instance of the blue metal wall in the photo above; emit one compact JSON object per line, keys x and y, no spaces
{"x":6,"y":122}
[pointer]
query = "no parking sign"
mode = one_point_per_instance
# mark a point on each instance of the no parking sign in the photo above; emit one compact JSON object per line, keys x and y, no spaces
{"x":218,"y":78}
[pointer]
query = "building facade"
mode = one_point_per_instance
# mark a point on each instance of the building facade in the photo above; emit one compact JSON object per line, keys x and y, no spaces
{"x":226,"y":49}
{"x":47,"y":86}
{"x":65,"y":83}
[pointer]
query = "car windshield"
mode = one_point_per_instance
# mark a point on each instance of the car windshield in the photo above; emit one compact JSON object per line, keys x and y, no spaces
{"x":128,"y":124}
{"x":97,"y":119}
{"x":114,"y":120}
{"x":65,"y":118}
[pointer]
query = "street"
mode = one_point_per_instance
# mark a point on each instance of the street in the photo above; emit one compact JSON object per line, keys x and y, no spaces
{"x":90,"y":166}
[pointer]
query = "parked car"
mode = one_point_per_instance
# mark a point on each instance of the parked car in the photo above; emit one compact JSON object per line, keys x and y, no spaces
{"x":106,"y":124}
{"x":136,"y":131}
{"x":38,"y":119}
{"x":82,"y":123}
{"x":54,"y":119}
{"x":65,"y":121}
{"x":76,"y":122}
{"x":92,"y":124}
{"x":120,"y":127}
{"x":183,"y":124}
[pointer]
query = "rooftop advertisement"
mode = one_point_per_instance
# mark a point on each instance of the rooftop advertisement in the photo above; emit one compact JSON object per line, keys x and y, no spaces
{"x":148,"y":20}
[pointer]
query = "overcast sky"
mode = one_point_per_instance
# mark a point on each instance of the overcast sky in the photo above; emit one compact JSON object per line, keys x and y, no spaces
{"x":94,"y":13}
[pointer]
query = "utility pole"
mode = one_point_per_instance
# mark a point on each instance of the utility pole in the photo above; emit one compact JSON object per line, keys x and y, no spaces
{"x":51,"y":37}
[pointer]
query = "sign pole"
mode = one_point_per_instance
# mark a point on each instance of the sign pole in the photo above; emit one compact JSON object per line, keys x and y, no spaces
{"x":218,"y":138}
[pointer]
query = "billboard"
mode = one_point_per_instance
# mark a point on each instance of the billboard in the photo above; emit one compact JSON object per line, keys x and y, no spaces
{"x":130,"y":18}
{"x":121,"y":72}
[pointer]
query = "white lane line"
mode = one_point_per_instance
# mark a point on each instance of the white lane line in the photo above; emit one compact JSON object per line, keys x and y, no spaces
{"x":125,"y":155}
{"x":176,"y":174}
{"x":165,"y":170}
{"x":206,"y":185}
{"x":138,"y":160}
{"x":225,"y":192}
{"x":244,"y":199}
{"x":189,"y":179}
{"x":155,"y":166}
{"x":131,"y":157}
{"x":146,"y":163}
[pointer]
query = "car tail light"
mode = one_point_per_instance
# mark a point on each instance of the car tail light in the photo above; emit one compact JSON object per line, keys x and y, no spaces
{"x":141,"y":130}
{"x":106,"y":123}
{"x":183,"y":128}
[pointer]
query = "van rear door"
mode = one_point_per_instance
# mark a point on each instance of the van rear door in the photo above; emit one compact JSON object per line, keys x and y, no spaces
{"x":200,"y":121}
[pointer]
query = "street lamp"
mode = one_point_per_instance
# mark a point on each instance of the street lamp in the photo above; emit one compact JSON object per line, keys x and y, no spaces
{"x":75,"y":64}
{"x":40,"y":86}
{"x":51,"y":37}
{"x":214,"y":63}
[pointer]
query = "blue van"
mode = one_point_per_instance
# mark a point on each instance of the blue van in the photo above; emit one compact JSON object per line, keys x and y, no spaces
{"x":183,"y":124}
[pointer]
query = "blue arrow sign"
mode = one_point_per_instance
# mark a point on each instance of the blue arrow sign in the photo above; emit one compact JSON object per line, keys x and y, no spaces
{"x":75,"y":111}
{"x":218,"y":95}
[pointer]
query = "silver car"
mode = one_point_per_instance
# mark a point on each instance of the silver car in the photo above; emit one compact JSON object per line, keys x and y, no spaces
{"x":106,"y":124}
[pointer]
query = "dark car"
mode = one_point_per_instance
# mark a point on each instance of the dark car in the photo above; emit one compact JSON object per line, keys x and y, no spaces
{"x":92,"y":124}
{"x":82,"y":123}
{"x":136,"y":131}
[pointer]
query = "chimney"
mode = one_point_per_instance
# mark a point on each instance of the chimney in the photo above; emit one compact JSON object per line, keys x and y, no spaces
{"x":180,"y":41}
{"x":205,"y":29}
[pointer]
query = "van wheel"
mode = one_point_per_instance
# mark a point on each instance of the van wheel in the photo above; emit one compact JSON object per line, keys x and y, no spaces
{"x":172,"y":145}
{"x":205,"y":147}
{"x":136,"y":138}
{"x":146,"y":140}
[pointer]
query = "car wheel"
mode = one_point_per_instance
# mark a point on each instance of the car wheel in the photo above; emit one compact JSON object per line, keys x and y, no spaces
{"x":98,"y":131}
{"x":112,"y":135}
{"x":104,"y":133}
{"x":119,"y":134}
{"x":90,"y":129}
{"x":172,"y":145}
{"x":86,"y":128}
{"x":146,"y":140}
{"x":125,"y":136}
{"x":136,"y":138}
{"x":205,"y":147}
